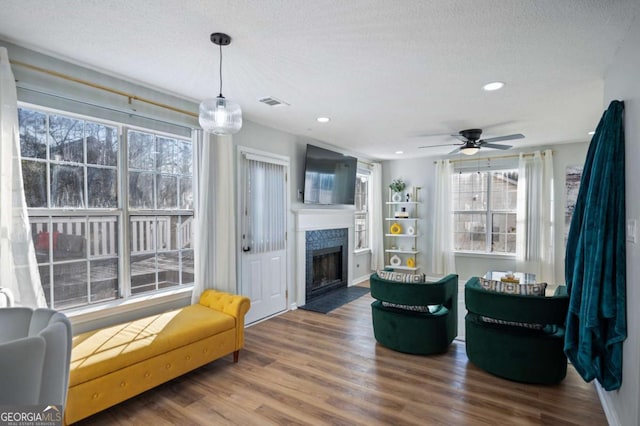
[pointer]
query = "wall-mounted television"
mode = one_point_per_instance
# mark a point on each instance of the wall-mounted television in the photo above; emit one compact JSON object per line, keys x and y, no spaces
{"x":329,"y":177}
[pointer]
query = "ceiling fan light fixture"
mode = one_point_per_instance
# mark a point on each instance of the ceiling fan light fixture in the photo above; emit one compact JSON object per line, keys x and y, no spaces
{"x":469,"y":150}
{"x":219,"y":115}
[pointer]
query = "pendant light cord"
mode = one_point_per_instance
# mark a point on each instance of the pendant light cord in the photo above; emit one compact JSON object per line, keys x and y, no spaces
{"x":220,"y":46}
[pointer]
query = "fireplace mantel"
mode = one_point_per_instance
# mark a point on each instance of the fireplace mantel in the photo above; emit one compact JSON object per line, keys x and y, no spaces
{"x":316,"y":219}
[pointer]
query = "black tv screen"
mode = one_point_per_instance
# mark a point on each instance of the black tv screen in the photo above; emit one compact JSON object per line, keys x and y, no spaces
{"x":329,"y":177}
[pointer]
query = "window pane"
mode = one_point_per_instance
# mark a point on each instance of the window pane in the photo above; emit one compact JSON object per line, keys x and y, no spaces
{"x":34,"y":176}
{"x":185,"y":155}
{"x":143,"y":273}
{"x":104,"y":280}
{"x":69,"y":238}
{"x":361,"y":234}
{"x":141,"y":150}
{"x":167,"y":192}
{"x":141,"y":190}
{"x":168,"y":269}
{"x":66,"y":139}
{"x":33,"y":133}
{"x":70,"y":285}
{"x":504,"y":190}
{"x":103,"y":236}
{"x":167,"y":157}
{"x":187,"y":267}
{"x":67,"y":186}
{"x":470,"y":191}
{"x":102,"y":144}
{"x":504,"y":232}
{"x":186,"y":194}
{"x":102,"y":187}
{"x":469,"y":231}
{"x":45,"y":280}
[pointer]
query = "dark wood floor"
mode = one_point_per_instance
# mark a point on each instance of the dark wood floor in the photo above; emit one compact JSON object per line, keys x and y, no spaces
{"x":308,"y":368}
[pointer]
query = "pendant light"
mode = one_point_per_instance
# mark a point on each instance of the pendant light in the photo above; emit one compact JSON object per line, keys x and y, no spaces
{"x":219,"y":115}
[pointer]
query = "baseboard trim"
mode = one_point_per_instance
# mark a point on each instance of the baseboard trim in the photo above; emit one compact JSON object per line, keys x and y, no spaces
{"x":359,"y":280}
{"x":607,"y":406}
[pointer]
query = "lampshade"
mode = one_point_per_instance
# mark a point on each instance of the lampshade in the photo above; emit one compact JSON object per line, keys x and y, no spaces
{"x":220,"y":116}
{"x":469,"y":150}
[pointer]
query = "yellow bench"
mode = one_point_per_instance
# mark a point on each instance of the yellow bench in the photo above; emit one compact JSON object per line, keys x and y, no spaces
{"x":113,"y":364}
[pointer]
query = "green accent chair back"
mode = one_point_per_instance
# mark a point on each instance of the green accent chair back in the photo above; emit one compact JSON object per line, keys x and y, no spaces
{"x":515,"y":352}
{"x":410,"y":331}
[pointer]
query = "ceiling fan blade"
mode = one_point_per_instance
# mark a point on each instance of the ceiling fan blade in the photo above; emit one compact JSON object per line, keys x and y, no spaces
{"x":460,"y":137}
{"x":434,"y":146}
{"x":454,"y":151}
{"x":495,"y":146}
{"x":504,"y":138}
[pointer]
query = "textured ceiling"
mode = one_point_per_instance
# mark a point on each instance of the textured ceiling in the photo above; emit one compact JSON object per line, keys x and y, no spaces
{"x":386,"y":72}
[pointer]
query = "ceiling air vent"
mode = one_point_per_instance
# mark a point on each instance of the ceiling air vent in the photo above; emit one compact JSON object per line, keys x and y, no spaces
{"x":271,"y":101}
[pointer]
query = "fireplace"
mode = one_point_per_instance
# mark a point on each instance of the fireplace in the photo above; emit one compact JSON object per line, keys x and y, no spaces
{"x":326,"y":261}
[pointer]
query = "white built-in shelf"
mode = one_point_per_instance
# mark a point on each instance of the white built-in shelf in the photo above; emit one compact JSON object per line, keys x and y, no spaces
{"x":402,"y":251}
{"x":401,"y":202}
{"x":401,"y":235}
{"x":400,"y":218}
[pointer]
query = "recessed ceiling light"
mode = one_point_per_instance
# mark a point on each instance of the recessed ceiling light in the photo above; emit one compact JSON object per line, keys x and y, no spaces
{"x":323,"y":119}
{"x":593,"y":132}
{"x":495,"y":85}
{"x":399,"y":152}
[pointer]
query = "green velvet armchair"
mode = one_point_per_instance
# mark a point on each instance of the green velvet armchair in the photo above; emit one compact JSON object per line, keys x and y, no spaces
{"x":514,"y":336}
{"x":415,"y":318}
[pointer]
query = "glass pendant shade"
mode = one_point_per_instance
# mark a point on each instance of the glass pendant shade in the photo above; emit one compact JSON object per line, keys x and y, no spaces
{"x":220,"y":116}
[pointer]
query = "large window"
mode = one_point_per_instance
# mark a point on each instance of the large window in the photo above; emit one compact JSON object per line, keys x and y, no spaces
{"x":111,"y":208}
{"x":484,"y":209}
{"x":362,"y":211}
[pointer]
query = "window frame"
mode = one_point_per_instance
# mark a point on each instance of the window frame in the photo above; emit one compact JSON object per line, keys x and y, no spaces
{"x":366,"y":213}
{"x":488,"y":214}
{"x":122,"y":213}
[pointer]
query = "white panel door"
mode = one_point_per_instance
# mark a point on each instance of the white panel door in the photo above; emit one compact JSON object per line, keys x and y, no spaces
{"x":263,"y":243}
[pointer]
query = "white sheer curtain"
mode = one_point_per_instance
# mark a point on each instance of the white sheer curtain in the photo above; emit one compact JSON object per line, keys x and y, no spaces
{"x":20,"y":276}
{"x":535,"y":225}
{"x":443,"y":261}
{"x":264,"y":226}
{"x":215,"y":239}
{"x":377,"y":239}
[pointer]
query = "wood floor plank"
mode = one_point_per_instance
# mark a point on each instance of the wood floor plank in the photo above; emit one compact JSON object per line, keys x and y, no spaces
{"x":304,"y":368}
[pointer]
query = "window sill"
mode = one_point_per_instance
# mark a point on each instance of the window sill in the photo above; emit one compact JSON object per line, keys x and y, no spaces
{"x":484,"y":255}
{"x":120,"y":306}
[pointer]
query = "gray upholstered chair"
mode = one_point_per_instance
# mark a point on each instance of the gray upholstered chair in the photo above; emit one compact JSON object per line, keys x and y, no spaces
{"x":35,"y":353}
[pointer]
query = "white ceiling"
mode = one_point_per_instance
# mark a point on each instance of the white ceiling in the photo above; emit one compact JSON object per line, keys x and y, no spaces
{"x":384,"y":71}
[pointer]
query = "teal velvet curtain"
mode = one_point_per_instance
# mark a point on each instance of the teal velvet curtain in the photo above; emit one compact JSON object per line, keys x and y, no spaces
{"x":595,"y":258}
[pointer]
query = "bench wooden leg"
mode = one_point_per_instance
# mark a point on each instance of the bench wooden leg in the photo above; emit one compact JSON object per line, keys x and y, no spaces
{"x":236,"y":354}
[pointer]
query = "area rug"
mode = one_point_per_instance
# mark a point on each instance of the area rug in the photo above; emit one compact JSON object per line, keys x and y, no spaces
{"x":335,"y":299}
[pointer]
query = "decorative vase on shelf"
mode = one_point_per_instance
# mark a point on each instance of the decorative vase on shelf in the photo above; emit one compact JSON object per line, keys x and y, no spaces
{"x":395,"y":260}
{"x":397,"y":197}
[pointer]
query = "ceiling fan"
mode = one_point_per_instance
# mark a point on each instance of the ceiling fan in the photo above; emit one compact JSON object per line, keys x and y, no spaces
{"x":471,"y":142}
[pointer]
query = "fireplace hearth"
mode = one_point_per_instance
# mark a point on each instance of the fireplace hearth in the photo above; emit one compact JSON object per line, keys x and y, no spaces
{"x":326,"y":261}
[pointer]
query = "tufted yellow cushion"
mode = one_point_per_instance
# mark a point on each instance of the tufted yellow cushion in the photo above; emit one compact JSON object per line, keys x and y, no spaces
{"x":99,"y":352}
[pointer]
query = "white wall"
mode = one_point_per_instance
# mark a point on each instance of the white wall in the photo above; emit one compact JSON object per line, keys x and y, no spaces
{"x":421,"y":172}
{"x":622,"y":83}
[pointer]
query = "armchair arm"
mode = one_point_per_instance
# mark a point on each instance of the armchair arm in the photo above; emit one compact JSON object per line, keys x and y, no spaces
{"x":232,"y":304}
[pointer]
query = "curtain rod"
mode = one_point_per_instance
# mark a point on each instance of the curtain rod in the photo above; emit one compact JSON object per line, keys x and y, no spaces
{"x":101,"y":87}
{"x":500,"y":157}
